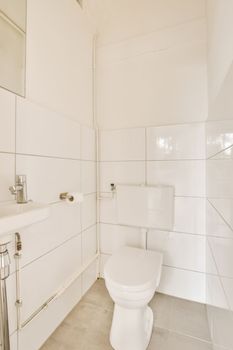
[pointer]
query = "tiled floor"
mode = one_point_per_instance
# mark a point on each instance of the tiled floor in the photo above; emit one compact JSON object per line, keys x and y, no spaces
{"x":179,"y":324}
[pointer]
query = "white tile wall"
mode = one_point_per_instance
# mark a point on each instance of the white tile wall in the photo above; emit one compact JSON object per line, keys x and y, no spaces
{"x":7,"y":129}
{"x":183,"y":284}
{"x":188,"y":177}
{"x":224,"y":207}
{"x":48,"y":273}
{"x":63,"y":223}
{"x":114,"y":236}
{"x":89,"y":211}
{"x":49,"y":150}
{"x":185,"y":141}
{"x":7,"y":175}
{"x":88,"y":177}
{"x":172,"y":155}
{"x":89,"y":244}
{"x":216,"y":223}
{"x":219,"y":183}
{"x":43,"y":132}
{"x":48,"y":177}
{"x":219,"y":138}
{"x":89,"y":276}
{"x":125,"y":144}
{"x":50,"y":318}
{"x":121,"y":173}
{"x":180,"y":250}
{"x":190,"y":215}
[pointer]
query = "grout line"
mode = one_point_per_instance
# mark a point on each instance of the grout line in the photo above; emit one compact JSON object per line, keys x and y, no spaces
{"x":176,"y":196}
{"x":221,"y":216}
{"x":154,"y":229}
{"x":173,"y":267}
{"x":219,"y":275}
{"x":153,"y":160}
{"x":53,"y":157}
{"x":154,"y":126}
{"x":223,"y":150}
{"x":7,"y":152}
{"x":183,"y":334}
{"x":53,"y":249}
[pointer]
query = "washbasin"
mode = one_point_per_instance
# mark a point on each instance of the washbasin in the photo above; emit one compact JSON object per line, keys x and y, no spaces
{"x":15,"y":216}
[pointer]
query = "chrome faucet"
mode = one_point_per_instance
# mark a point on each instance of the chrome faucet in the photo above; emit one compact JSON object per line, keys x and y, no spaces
{"x":20,"y":189}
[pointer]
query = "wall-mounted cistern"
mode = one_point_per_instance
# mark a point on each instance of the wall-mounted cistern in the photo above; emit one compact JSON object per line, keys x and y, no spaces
{"x":20,"y":189}
{"x":4,"y":274}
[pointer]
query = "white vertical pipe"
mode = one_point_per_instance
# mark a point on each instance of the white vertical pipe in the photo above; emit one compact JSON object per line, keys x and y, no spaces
{"x":96,"y":127}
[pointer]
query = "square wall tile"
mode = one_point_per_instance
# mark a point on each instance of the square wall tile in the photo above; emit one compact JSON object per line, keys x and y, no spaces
{"x":228,"y":288}
{"x":7,"y":126}
{"x":88,"y":177}
{"x":7,"y":176}
{"x":112,"y":237}
{"x":219,"y":174}
{"x":89,"y":211}
{"x":221,"y":324}
{"x":179,"y":250}
{"x":222,"y":249}
{"x":187,"y":177}
{"x":190,"y":215}
{"x":224,"y":206}
{"x":125,"y":144}
{"x":121,"y":173}
{"x":48,"y":177}
{"x":217,"y":223}
{"x":50,"y":318}
{"x":219,"y":136}
{"x":48,"y":274}
{"x":183,"y":284}
{"x":43,"y":132}
{"x":89,"y":276}
{"x":103,"y":259}
{"x":186,"y":141}
{"x":63,"y":223}
{"x":88,"y":143}
{"x":215,"y":295}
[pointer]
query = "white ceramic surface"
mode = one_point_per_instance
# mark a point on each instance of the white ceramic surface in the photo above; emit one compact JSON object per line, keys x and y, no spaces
{"x":16,"y":216}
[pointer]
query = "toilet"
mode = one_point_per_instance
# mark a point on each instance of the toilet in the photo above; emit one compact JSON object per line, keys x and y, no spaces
{"x":131,"y":277}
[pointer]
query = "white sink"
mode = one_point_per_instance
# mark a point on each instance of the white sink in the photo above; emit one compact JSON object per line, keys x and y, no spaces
{"x":15,"y":216}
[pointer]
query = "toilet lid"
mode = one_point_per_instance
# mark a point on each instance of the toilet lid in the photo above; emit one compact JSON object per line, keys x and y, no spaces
{"x":134,"y":269}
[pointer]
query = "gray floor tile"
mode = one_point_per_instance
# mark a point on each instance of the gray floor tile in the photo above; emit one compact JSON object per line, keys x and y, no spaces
{"x":180,"y":315}
{"x":178,"y":324}
{"x":166,"y":340}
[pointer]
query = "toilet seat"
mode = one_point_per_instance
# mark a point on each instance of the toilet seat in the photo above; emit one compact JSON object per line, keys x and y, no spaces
{"x":133,"y":270}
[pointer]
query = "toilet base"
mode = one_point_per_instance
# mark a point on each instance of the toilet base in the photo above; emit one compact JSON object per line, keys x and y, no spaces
{"x":131,"y":328}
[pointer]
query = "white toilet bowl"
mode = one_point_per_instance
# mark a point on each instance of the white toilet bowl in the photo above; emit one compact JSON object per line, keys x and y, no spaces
{"x":131,"y":277}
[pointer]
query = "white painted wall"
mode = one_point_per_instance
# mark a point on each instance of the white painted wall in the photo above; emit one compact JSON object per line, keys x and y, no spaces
{"x":49,"y":137}
{"x":220,"y":46}
{"x":154,"y":78}
{"x":124,"y":19}
{"x":59,"y":58}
